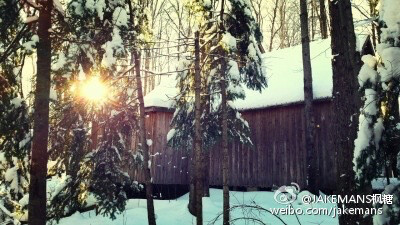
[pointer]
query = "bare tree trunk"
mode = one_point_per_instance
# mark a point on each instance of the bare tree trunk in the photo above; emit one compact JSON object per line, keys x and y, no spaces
{"x":308,"y":98}
{"x":193,"y":189}
{"x":346,"y":103}
{"x":225,"y":161}
{"x":373,"y":13}
{"x":197,"y":137}
{"x":147,"y":79}
{"x":312,"y":18}
{"x":206,"y":176}
{"x":38,"y":169}
{"x":225,"y":154}
{"x":193,"y":179}
{"x":323,"y":19}
{"x":153,"y":68}
{"x":192,"y":184}
{"x":392,"y":118}
{"x":142,"y":133}
{"x":283,"y":34}
{"x":143,"y":143}
{"x":273,"y":32}
{"x":94,"y":134}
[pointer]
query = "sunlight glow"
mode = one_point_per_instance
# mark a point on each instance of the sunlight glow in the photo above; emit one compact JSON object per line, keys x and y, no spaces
{"x":94,"y":90}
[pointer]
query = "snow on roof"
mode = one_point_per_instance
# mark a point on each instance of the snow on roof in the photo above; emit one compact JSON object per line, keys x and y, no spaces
{"x":163,"y":94}
{"x":285,"y":79}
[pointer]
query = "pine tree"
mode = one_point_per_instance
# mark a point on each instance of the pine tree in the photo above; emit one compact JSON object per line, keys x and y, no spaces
{"x":108,"y":179}
{"x":15,"y":146}
{"x":14,"y":149}
{"x":15,"y":137}
{"x":376,"y":147}
{"x":229,"y":42}
{"x":91,"y":142}
{"x":69,"y":149}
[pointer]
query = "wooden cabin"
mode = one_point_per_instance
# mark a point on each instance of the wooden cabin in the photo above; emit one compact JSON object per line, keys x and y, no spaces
{"x":276,"y":120}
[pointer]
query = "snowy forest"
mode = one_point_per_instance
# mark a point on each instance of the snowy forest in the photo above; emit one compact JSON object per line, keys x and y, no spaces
{"x":169,"y":112}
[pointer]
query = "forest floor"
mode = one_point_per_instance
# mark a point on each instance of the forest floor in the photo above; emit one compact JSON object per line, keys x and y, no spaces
{"x":175,"y":212}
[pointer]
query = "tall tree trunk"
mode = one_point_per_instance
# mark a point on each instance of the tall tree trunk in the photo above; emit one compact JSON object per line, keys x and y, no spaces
{"x":147,"y":79}
{"x":225,"y":161}
{"x":143,"y":143}
{"x":192,"y":184}
{"x":197,"y":136}
{"x":273,"y":32}
{"x":283,"y":34}
{"x":94,"y":135}
{"x":142,"y":126}
{"x":392,"y":118}
{"x":224,"y":111}
{"x":312,"y":3}
{"x":346,"y":102}
{"x":206,"y":175}
{"x":373,"y":13}
{"x":38,"y":169}
{"x":308,"y":99}
{"x":323,"y":19}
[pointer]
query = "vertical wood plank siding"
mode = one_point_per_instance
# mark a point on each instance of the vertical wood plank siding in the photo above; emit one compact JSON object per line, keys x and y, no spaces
{"x":278,"y":156}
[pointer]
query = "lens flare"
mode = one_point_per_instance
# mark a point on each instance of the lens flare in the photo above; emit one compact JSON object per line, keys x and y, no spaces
{"x":95,"y":90}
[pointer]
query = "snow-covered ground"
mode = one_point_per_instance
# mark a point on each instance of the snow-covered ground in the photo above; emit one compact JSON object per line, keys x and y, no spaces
{"x":174,"y":212}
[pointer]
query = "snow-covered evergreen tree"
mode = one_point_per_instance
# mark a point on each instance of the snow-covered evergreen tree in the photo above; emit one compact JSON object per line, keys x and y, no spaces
{"x":15,"y":138}
{"x":241,"y":43}
{"x":73,"y":164}
{"x":14,"y":148}
{"x":230,"y":56}
{"x":90,"y":142}
{"x":376,"y":147}
{"x":109,"y":180}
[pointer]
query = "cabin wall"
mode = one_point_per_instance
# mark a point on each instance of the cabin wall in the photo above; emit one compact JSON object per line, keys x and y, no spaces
{"x":277,"y":157}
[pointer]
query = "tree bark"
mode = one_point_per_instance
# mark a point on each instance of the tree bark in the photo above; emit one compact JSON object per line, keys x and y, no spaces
{"x":206,"y":176}
{"x":206,"y":109}
{"x":283,"y":34}
{"x":323,"y":19}
{"x":373,"y":13}
{"x":225,"y":161}
{"x":38,"y":169}
{"x":142,"y":126}
{"x":143,"y":143}
{"x":391,"y":119}
{"x":192,"y":184}
{"x":273,"y":32}
{"x":147,"y":79}
{"x":94,"y":135}
{"x":312,"y":3}
{"x":346,"y":103}
{"x":197,"y":137}
{"x":225,"y":154}
{"x":308,"y":99}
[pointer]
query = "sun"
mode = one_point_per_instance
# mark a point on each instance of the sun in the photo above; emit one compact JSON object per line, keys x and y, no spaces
{"x":94,"y":90}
